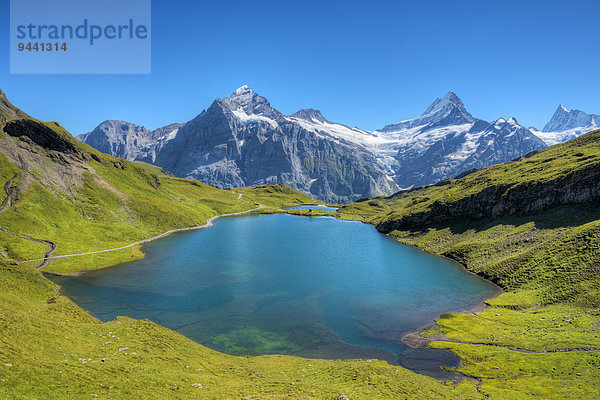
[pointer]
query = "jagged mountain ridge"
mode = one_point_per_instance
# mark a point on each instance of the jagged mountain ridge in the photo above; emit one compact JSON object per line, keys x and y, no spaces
{"x":567,"y":124}
{"x":129,"y":141}
{"x":242,"y":140}
{"x":565,"y":119}
{"x":447,"y":140}
{"x":448,"y":110}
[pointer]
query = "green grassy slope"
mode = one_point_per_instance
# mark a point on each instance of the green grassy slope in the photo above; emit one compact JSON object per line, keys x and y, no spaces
{"x":61,"y":190}
{"x":540,"y":338}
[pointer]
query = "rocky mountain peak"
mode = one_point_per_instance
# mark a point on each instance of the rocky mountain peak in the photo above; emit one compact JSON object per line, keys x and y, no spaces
{"x":242,"y":91}
{"x":309,"y":114}
{"x":242,"y":96}
{"x":560,"y":113}
{"x":120,"y":125}
{"x":446,"y":111}
{"x":127,"y":140}
{"x":524,"y":140}
{"x":450,"y":100}
{"x":565,"y":119}
{"x":510,"y":124}
{"x":2,"y":95}
{"x":245,"y":102}
{"x":449,"y":110}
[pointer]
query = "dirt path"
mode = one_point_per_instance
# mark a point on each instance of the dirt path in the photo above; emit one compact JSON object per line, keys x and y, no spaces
{"x":48,"y":256}
{"x":8,"y":201}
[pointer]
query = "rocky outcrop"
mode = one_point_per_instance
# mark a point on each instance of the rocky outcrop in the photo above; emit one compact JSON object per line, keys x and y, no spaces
{"x":8,"y":111}
{"x":41,"y":135}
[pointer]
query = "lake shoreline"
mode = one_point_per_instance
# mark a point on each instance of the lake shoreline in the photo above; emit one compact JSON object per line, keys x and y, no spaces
{"x":207,"y":224}
{"x":415,"y":339}
{"x":409,"y":339}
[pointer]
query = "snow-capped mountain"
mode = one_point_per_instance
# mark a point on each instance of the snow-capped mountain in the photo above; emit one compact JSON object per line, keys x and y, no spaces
{"x":241,"y":140}
{"x":566,"y":125}
{"x":447,"y":111}
{"x":447,"y":140}
{"x":314,"y":121}
{"x":371,"y":142}
{"x":502,"y":141}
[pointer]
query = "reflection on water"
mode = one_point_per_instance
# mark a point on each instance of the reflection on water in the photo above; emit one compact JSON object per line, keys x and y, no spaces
{"x":315,"y":287}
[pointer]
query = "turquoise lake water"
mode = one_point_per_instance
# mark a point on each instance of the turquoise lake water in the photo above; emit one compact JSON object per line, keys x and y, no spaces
{"x":315,"y":287}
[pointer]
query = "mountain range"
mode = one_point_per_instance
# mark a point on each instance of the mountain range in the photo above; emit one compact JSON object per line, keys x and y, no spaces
{"x":242,"y":140}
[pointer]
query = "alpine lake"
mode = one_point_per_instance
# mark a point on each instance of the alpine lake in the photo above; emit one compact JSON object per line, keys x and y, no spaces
{"x":314,"y":287}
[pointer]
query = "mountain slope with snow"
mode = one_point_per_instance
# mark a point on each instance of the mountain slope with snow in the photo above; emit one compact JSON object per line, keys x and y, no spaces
{"x":242,"y":140}
{"x":566,"y":125}
{"x":447,"y":140}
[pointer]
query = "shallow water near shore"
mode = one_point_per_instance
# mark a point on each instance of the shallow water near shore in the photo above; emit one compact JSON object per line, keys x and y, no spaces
{"x":281,"y":284}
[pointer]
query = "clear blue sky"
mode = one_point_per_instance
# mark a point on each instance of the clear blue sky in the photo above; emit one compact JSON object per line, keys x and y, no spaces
{"x":363,"y":63}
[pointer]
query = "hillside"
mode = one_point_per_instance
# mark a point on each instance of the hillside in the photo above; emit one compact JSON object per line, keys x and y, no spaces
{"x":63,"y":196}
{"x":60,"y":190}
{"x":532,"y":226}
